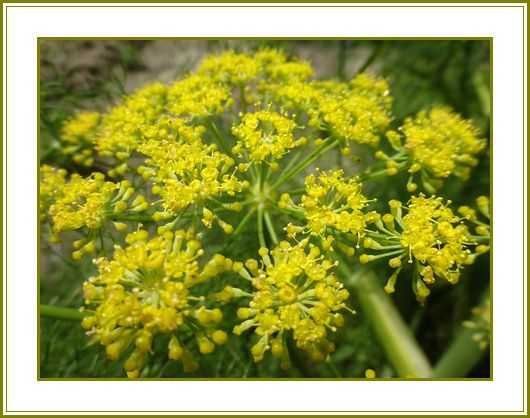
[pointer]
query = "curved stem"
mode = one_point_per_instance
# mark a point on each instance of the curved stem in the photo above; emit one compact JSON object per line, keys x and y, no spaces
{"x":59,"y":312}
{"x":463,"y":354}
{"x":400,"y":346}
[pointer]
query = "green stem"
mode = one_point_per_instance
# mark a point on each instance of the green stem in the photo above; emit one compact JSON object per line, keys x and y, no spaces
{"x":302,"y":165}
{"x":59,"y":312}
{"x":401,"y":348}
{"x":220,"y":138}
{"x":133,"y":218}
{"x":381,"y":173}
{"x":261,"y":235}
{"x":244,"y":104}
{"x":270,"y":227}
{"x":243,"y":222}
{"x":481,"y":239}
{"x":371,"y":58}
{"x":463,"y":354}
{"x":341,"y":60}
{"x":50,"y":151}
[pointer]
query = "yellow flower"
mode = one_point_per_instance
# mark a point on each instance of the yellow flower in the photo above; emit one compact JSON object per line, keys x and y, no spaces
{"x":330,"y":204}
{"x":480,"y":220}
{"x":442,"y":143}
{"x":87,"y":202}
{"x":358,"y":111}
{"x":265,"y":135}
{"x":278,"y":68}
{"x":146,"y":289}
{"x":83,"y":203}
{"x":51,"y":185}
{"x":294,"y":291}
{"x":376,"y":89}
{"x":230,"y":67}
{"x":197,"y":96}
{"x":296,"y":95}
{"x":185,"y":170}
{"x":430,"y":236}
{"x":354,"y":118}
{"x":122,"y":128}
{"x":78,"y":135}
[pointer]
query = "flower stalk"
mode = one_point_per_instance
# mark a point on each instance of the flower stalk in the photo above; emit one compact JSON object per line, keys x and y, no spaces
{"x":463,"y":354}
{"x":402,"y":350}
{"x":59,"y":312}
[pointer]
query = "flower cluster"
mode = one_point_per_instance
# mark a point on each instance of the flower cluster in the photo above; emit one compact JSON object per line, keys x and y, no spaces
{"x":333,"y":206}
{"x":430,"y":236}
{"x":437,"y":143}
{"x":82,"y":203}
{"x":265,"y":135}
{"x":481,"y":226}
{"x":78,"y":135}
{"x":197,"y":96}
{"x":184,"y":169}
{"x":267,"y":64}
{"x":146,"y":290}
{"x":124,"y":126}
{"x":88,"y":202}
{"x":296,"y":292}
{"x":52,"y":181}
{"x":230,"y":68}
{"x":357,"y":112}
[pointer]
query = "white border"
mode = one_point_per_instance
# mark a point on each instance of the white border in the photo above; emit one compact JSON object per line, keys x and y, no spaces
{"x":506,"y":25}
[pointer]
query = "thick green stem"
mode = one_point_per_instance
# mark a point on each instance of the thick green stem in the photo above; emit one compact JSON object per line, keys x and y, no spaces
{"x":465,"y":351}
{"x":396,"y":338}
{"x":232,"y":238}
{"x":463,"y":354}
{"x":60,"y":312}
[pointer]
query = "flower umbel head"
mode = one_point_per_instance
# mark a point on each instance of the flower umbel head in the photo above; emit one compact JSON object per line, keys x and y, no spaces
{"x":429,"y":236}
{"x":197,"y":96}
{"x":146,"y":290}
{"x":78,"y":135}
{"x":358,"y":112}
{"x":122,"y":128}
{"x":230,"y":67}
{"x":51,"y":185}
{"x":332,"y":205}
{"x":442,"y":142}
{"x":294,"y":292}
{"x":265,"y":135}
{"x":437,"y":143}
{"x":184,"y":169}
{"x":86,"y":203}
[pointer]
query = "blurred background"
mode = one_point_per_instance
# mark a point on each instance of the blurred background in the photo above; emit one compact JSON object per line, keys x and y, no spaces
{"x":93,"y":74}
